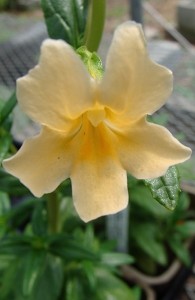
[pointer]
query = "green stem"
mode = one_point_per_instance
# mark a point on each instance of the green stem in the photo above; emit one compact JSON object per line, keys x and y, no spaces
{"x":53,"y":212}
{"x":95,"y":24}
{"x":8,"y":107}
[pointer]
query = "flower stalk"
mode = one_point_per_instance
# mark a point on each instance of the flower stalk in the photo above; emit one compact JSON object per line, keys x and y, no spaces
{"x":53,"y":212}
{"x":95,"y":24}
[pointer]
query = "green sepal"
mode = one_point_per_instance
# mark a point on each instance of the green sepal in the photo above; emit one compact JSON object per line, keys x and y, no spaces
{"x":165,"y":189}
{"x":92,"y":61}
{"x":66,"y":20}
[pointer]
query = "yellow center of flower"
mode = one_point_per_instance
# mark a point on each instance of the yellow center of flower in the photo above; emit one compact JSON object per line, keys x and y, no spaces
{"x":96,"y":116}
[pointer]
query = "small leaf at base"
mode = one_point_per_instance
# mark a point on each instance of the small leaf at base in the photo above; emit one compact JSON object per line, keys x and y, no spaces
{"x":165,"y":189}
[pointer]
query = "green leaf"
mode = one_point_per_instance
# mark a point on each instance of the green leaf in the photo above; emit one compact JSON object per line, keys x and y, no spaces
{"x":180,"y":250}
{"x":20,"y":213}
{"x":74,"y":289}
{"x":4,"y":208}
{"x":145,"y":236}
{"x":8,"y":280}
{"x":110,"y":287}
{"x":49,"y":285}
{"x":5,"y":260}
{"x":116,"y":259}
{"x":66,"y":20}
{"x":11,"y":185}
{"x":92,"y":61}
{"x":142,"y":198}
{"x":39,"y":219}
{"x":137,"y":292}
{"x":68,"y":219}
{"x":15,"y":245}
{"x":181,"y":211}
{"x":132,"y":181}
{"x":70,"y":249}
{"x":165,"y":189}
{"x":5,"y":143}
{"x":33,"y":266}
{"x":8,"y":107}
{"x":88,"y":237}
{"x":4,"y":203}
{"x":88,"y":269}
{"x":186,"y":229}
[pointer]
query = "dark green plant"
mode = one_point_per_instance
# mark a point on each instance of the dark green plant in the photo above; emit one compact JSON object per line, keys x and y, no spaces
{"x":158,"y":234}
{"x":71,"y":264}
{"x":3,"y":4}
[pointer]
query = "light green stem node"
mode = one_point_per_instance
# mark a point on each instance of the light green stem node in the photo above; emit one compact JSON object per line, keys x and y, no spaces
{"x":92,"y":61}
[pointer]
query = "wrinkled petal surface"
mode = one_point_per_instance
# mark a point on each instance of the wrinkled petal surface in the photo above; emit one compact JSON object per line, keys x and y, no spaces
{"x":43,"y":162}
{"x":58,"y":89}
{"x":133,"y":85}
{"x":99,"y":183}
{"x":148,"y":150}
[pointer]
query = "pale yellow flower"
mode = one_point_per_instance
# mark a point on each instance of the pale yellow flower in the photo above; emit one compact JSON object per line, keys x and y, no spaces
{"x":94,"y":131}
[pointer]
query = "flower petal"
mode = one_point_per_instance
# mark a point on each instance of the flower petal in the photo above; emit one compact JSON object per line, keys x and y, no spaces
{"x":56,"y":90}
{"x":148,"y":150}
{"x":133,"y":84}
{"x":99,"y":183}
{"x":42,"y":163}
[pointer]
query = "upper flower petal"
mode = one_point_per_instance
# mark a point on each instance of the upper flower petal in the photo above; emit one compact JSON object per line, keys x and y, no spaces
{"x":58,"y":89}
{"x":99,"y":183}
{"x":133,"y":84}
{"x":43,"y":162}
{"x":148,"y":150}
